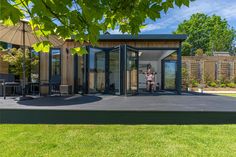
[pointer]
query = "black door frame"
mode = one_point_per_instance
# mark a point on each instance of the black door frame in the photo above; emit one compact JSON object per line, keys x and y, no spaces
{"x":163,"y":75}
{"x":123,"y":64}
{"x":87,"y":63}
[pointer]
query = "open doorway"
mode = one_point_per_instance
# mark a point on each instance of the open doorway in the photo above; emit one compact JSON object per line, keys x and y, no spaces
{"x":163,"y":68}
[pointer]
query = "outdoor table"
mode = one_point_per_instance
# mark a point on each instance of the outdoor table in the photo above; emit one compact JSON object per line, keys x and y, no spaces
{"x":9,"y":84}
{"x":2,"y":81}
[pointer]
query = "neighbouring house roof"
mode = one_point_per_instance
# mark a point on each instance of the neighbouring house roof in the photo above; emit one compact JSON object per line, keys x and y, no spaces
{"x":223,"y":53}
{"x":147,"y":37}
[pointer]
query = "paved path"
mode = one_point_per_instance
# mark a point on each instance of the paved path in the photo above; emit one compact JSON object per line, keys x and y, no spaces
{"x":186,"y":102}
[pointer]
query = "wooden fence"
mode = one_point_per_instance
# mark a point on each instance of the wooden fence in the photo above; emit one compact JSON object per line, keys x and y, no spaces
{"x":212,"y":68}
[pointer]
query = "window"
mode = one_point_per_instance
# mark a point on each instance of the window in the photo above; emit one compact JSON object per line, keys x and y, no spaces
{"x":55,"y":62}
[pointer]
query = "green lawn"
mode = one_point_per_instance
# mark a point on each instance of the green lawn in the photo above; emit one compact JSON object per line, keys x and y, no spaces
{"x":230,"y":95}
{"x":117,"y":140}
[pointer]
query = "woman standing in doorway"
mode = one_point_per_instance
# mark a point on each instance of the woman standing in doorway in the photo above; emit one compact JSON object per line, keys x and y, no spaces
{"x":149,"y":78}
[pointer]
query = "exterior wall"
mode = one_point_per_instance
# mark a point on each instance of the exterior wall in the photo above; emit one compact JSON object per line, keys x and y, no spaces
{"x":3,"y":66}
{"x":44,"y":71}
{"x":141,"y":44}
{"x":67,"y":59}
{"x":68,"y":63}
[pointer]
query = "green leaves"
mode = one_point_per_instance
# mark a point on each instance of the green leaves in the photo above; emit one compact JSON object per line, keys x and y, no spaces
{"x":79,"y":51}
{"x":209,"y":33}
{"x":9,"y":14}
{"x":186,"y":2}
{"x":179,"y":2}
{"x":43,"y":46}
{"x":83,"y":19}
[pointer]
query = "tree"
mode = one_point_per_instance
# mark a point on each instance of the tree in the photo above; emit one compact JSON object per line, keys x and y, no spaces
{"x":14,"y":57}
{"x":83,"y":19}
{"x":209,"y":33}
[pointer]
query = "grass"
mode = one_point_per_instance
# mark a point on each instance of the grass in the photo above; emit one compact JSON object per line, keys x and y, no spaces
{"x":117,"y":140}
{"x":230,"y":95}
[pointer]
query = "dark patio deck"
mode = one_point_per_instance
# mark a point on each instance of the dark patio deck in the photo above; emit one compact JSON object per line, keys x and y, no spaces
{"x":145,"y":109}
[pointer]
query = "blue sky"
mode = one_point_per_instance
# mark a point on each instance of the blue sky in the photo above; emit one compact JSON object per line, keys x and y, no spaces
{"x":169,"y":22}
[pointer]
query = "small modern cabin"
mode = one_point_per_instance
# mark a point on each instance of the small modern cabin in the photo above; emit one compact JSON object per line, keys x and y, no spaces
{"x":115,"y":66}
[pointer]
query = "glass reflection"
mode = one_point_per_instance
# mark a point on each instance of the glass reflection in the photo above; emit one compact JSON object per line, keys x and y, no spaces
{"x":114,"y":72}
{"x":131,"y":72}
{"x":96,"y":70}
{"x":56,"y":55}
{"x":170,"y":74}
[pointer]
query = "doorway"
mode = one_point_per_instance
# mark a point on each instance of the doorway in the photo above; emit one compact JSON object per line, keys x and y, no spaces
{"x":155,"y":59}
{"x":112,"y":70}
{"x":121,"y":70}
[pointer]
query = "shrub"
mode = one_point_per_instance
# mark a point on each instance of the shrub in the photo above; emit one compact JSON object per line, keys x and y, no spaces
{"x":223,"y":85}
{"x":199,"y":52}
{"x":185,"y":80}
{"x":223,"y":80}
{"x":231,"y":85}
{"x":195,"y":83}
{"x":212,"y":84}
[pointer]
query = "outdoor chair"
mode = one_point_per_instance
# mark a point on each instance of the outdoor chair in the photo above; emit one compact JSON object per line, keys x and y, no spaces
{"x":53,"y":85}
{"x":8,"y":81}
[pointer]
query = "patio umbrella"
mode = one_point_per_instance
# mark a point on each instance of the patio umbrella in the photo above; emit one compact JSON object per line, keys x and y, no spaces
{"x":22,"y":34}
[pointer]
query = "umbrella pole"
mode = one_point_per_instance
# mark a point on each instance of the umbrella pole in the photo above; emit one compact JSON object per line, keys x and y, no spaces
{"x":24,"y":68}
{"x":23,"y":88}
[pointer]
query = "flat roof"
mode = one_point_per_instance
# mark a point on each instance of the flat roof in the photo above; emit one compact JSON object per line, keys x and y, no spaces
{"x":148,"y":37}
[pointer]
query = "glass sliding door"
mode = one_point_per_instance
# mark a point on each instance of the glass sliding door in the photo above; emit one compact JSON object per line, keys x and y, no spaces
{"x":34,"y":72}
{"x":55,"y":66}
{"x":170,"y":75}
{"x":79,"y":74}
{"x":114,"y":71}
{"x":55,"y":71}
{"x":131,"y":71}
{"x":96,"y":70}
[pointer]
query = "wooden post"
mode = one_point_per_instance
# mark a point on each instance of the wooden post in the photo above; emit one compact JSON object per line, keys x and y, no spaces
{"x":202,"y":71}
{"x":218,"y":70}
{"x":231,"y":70}
{"x":188,"y":68}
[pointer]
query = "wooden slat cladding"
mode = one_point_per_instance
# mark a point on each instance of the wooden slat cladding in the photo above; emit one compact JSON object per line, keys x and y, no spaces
{"x":225,"y":71}
{"x":214,"y":67}
{"x":3,"y":65}
{"x":235,"y":69}
{"x":67,"y":64}
{"x":141,"y":44}
{"x":44,"y":71}
{"x":209,"y":70}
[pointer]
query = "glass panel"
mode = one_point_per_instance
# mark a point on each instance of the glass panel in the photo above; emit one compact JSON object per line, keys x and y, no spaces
{"x":34,"y":72}
{"x":55,"y":62}
{"x":131,"y":71}
{"x":34,"y":66}
{"x":114,"y":71}
{"x":170,"y":74}
{"x":80,"y":73}
{"x":96,"y":70}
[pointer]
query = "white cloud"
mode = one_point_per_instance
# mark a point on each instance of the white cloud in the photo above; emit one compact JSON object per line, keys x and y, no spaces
{"x":224,"y":8}
{"x":115,"y":31}
{"x":150,"y":27}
